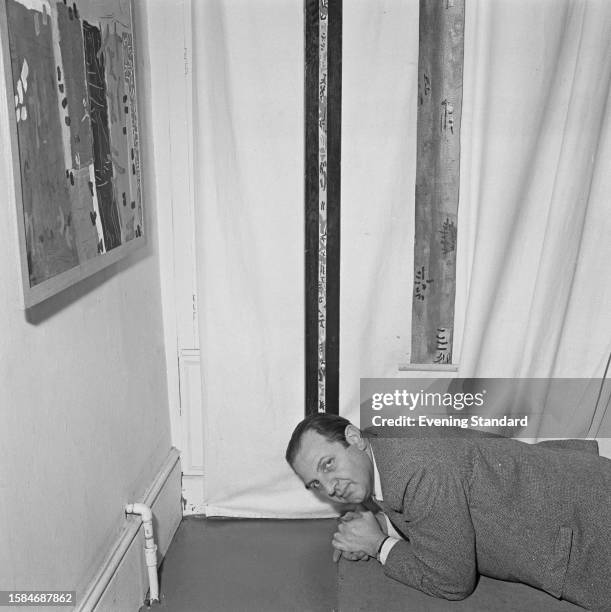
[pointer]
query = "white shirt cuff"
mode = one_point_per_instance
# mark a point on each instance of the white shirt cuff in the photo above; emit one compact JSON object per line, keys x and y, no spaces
{"x":386,"y":548}
{"x":390,"y":530}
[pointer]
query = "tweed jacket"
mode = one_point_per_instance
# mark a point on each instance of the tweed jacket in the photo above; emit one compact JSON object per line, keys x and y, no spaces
{"x":470,"y":503}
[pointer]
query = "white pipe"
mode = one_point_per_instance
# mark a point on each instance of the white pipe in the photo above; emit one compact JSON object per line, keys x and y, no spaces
{"x":150,"y":548}
{"x":107,"y":570}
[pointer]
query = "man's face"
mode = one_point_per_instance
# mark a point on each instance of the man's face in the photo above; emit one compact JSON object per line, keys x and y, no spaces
{"x":341,"y":474}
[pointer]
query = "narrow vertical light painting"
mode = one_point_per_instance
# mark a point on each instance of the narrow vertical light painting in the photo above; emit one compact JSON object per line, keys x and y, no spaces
{"x":440,"y":78}
{"x":70,"y":69}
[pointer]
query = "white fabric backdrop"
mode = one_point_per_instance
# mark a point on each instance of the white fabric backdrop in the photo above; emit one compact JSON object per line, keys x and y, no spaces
{"x":380,"y":92}
{"x":533,"y":288}
{"x":250,"y":156}
{"x":535,"y":184}
{"x":248,"y":62}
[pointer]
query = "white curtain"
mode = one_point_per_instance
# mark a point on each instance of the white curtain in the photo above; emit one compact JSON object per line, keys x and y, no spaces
{"x":379,"y":112}
{"x":248,"y":62}
{"x":535,"y":183}
{"x":249,"y":128}
{"x":533,"y":282}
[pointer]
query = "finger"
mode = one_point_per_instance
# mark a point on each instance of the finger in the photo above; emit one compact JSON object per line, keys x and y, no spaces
{"x":337,"y":555}
{"x":347,"y":526}
{"x":339,"y":544}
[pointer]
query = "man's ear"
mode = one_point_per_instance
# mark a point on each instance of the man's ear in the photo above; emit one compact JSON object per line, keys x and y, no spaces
{"x":354,"y":437}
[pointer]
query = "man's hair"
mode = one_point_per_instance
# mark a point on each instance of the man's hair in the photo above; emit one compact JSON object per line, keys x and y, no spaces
{"x":331,"y":426}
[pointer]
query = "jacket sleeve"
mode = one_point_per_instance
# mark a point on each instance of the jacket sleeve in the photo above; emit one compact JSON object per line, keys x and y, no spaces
{"x":439,"y":558}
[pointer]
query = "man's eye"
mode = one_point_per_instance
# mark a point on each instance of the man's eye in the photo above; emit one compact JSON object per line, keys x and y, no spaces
{"x":327,"y":465}
{"x":315,"y":485}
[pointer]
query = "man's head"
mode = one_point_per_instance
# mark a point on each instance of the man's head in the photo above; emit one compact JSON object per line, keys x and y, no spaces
{"x":330,"y":456}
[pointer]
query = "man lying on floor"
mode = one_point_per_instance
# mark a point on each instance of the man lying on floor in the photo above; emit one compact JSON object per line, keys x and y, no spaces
{"x":461,"y":502}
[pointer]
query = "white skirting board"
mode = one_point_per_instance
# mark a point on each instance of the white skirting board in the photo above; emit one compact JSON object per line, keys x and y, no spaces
{"x":121,"y":582}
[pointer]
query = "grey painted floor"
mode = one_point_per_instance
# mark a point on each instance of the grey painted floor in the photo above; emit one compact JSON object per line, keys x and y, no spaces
{"x":216,"y":565}
{"x":220,"y":565}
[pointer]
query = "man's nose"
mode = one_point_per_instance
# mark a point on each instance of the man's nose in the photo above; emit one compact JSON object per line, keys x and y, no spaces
{"x":330,"y":487}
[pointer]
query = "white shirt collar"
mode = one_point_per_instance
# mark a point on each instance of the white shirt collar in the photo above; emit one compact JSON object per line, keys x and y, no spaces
{"x":377,"y":485}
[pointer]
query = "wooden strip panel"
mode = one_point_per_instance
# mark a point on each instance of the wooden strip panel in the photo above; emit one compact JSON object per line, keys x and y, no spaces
{"x":440,"y":68}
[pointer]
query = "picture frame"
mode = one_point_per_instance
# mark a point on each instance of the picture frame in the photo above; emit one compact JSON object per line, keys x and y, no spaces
{"x":74,"y":138}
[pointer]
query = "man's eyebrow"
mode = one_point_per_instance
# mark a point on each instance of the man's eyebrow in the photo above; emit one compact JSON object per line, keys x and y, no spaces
{"x":320,"y":462}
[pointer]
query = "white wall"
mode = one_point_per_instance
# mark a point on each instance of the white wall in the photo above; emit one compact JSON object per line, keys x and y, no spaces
{"x":84,"y":423}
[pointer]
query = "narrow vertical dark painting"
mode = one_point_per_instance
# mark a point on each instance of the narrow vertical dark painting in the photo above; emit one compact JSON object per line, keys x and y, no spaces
{"x":323,"y":70}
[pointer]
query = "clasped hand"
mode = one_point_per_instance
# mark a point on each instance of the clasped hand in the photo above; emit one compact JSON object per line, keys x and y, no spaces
{"x":358,"y":536}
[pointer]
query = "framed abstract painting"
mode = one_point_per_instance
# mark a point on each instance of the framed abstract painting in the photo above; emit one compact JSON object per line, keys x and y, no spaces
{"x":73,"y":115}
